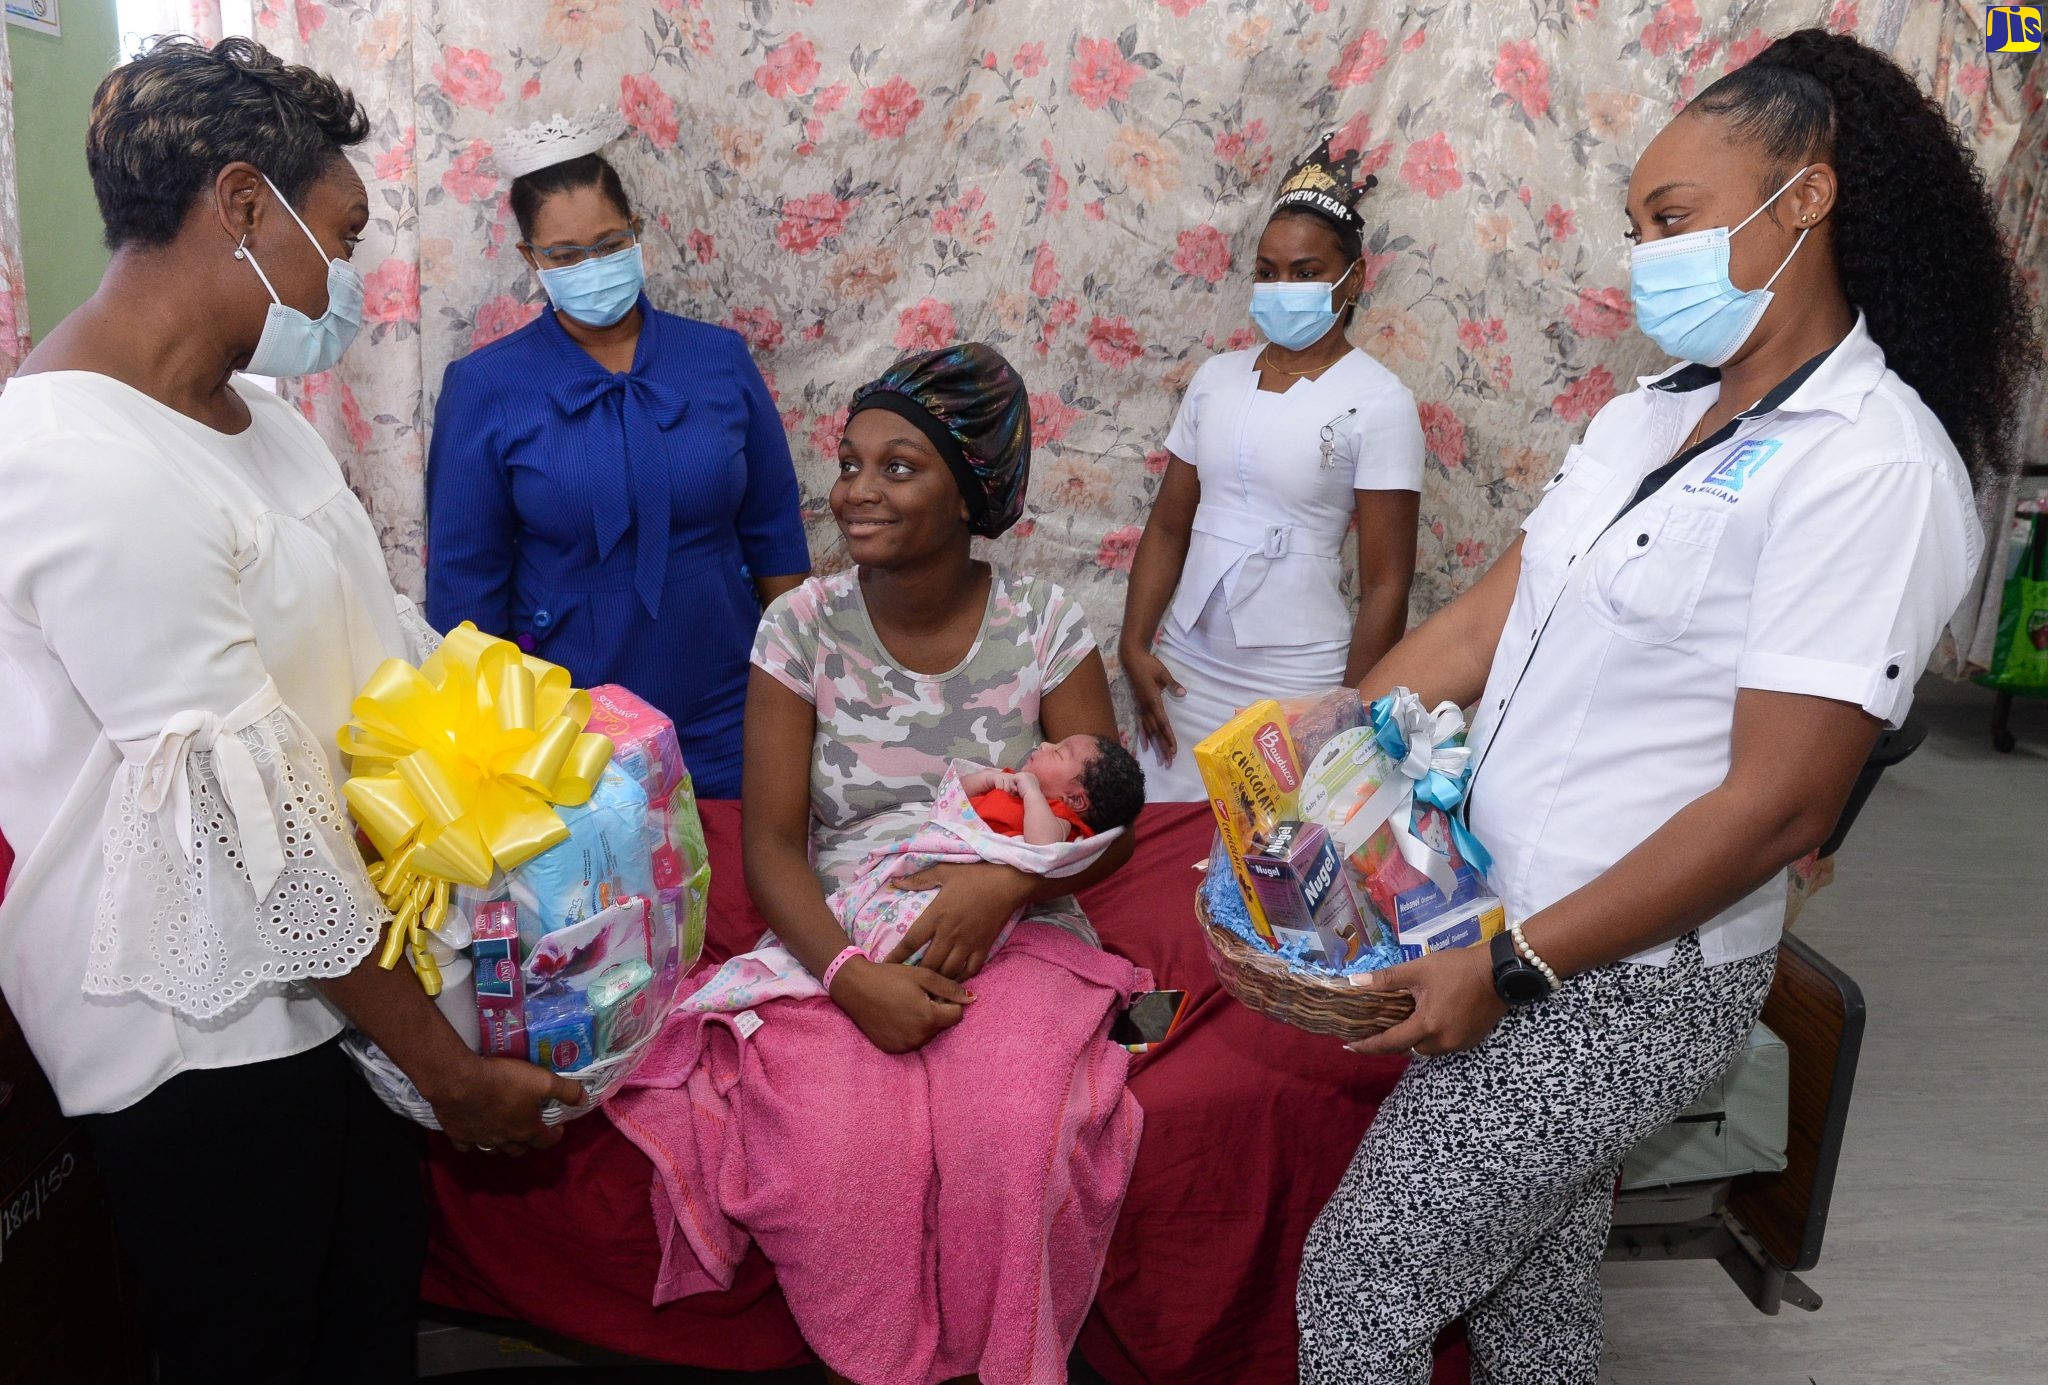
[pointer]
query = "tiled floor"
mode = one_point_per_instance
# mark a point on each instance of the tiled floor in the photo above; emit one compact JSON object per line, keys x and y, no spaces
{"x":1935,"y":1268}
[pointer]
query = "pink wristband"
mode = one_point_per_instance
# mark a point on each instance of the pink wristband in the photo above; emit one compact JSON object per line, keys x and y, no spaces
{"x":837,"y":962}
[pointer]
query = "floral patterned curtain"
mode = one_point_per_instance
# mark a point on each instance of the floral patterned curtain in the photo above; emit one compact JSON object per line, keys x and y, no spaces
{"x":1080,"y":183}
{"x":13,"y":296}
{"x":203,"y":20}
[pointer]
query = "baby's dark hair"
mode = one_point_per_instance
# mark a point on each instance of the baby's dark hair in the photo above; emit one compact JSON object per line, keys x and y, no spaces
{"x":1114,"y":783}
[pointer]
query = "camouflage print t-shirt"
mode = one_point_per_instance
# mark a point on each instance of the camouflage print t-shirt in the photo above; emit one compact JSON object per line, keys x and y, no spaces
{"x":886,"y":734}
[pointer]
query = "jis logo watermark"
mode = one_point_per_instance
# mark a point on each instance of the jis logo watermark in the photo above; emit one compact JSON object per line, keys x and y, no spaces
{"x":2012,"y":29}
{"x":1744,"y":462}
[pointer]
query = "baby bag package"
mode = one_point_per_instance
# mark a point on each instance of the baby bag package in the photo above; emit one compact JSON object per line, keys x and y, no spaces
{"x":609,"y":854}
{"x":645,"y":747}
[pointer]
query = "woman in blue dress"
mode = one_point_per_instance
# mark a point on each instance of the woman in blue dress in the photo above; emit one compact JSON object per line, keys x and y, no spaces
{"x":610,"y":485}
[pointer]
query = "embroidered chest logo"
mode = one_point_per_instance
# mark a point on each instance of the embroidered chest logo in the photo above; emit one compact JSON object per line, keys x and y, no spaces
{"x":1734,"y":470}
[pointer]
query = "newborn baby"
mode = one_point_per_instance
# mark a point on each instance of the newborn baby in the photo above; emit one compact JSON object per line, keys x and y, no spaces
{"x":1066,"y":789}
{"x":1053,"y":816}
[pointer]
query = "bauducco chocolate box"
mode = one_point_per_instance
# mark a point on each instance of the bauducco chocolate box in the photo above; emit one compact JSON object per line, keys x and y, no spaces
{"x":1252,"y":775}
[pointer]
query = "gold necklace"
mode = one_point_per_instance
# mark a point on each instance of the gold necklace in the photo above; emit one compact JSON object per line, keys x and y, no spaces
{"x":1297,"y":374}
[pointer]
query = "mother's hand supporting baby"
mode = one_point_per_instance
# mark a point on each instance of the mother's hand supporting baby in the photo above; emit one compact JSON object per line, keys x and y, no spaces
{"x":965,"y":918}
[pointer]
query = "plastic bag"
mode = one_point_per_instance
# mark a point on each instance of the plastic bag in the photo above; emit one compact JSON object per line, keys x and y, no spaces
{"x":2019,"y":663}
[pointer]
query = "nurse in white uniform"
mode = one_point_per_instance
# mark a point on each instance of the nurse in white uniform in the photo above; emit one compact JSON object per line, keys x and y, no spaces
{"x":1276,"y":450}
{"x":1679,"y":668}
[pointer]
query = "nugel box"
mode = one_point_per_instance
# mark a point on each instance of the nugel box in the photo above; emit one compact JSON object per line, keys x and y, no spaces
{"x":1299,"y":881}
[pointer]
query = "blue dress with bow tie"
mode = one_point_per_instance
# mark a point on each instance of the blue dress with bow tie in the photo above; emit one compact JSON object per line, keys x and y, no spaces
{"x":612,"y":523}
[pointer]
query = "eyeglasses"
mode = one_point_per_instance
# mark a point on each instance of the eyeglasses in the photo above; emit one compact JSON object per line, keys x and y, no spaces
{"x":562,"y":256}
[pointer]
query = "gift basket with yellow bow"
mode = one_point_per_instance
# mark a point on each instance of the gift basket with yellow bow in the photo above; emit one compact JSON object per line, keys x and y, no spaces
{"x":540,"y":851}
{"x":1338,"y":853}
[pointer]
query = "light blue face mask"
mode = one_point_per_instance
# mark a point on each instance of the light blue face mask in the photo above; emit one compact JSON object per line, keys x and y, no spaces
{"x":597,"y":292}
{"x":1295,"y":315}
{"x":291,"y":343}
{"x":1685,"y":301}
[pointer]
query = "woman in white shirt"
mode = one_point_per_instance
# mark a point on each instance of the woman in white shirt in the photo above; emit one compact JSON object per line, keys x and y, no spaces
{"x":1680,"y":667}
{"x":189,"y":598}
{"x":1274,"y":454}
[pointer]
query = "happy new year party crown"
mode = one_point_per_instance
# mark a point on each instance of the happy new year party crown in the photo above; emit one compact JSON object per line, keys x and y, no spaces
{"x":1326,"y":183}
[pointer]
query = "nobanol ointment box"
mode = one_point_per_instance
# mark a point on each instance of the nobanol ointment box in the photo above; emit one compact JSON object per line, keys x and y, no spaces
{"x":1252,"y":774}
{"x":1475,"y":922}
{"x":1299,"y":880}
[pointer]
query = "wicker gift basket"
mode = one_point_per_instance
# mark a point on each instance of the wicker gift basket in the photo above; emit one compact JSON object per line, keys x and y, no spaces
{"x":1285,"y":779}
{"x":1321,"y":1004}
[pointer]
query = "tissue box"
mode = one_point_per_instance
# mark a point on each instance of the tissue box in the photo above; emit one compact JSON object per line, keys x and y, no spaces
{"x":561,"y":1032}
{"x":1299,"y":882}
{"x":1474,"y":922}
{"x":1252,"y":774}
{"x":622,"y":1007}
{"x":500,"y":985}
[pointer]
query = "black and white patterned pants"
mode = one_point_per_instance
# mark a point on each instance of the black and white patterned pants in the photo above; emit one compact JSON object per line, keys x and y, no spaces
{"x":1486,"y":1184}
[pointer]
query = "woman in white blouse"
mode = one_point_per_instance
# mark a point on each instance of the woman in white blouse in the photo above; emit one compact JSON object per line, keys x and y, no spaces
{"x":1274,"y":453}
{"x":189,"y":598}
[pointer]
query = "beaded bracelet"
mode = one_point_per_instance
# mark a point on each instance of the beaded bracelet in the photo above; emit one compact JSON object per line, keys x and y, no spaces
{"x":1529,"y":954}
{"x":837,"y":962}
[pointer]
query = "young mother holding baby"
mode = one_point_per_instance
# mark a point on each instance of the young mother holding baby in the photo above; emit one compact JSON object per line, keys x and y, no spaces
{"x":933,"y":1155}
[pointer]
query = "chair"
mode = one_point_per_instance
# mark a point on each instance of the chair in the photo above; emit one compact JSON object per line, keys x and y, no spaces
{"x":1766,"y":1228}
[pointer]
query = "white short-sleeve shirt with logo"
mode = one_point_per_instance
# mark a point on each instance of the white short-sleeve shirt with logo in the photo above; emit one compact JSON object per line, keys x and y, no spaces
{"x":1821,"y":548}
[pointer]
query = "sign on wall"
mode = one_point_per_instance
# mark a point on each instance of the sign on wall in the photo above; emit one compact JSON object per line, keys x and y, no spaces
{"x":40,"y":15}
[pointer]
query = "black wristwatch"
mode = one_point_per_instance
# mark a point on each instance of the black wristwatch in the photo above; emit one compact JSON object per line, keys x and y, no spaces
{"x":1514,"y":980}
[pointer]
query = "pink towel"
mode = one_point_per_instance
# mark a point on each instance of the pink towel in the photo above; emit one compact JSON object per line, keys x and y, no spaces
{"x":929,"y":1215}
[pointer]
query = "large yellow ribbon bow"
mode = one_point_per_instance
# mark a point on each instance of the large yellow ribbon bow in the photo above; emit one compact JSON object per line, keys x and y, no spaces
{"x":458,"y":765}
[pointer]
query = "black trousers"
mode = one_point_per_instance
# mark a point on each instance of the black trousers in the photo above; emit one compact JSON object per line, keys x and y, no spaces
{"x":273,"y":1217}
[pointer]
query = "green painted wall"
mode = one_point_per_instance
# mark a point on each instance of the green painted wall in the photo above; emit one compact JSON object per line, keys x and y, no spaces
{"x":54,"y":80}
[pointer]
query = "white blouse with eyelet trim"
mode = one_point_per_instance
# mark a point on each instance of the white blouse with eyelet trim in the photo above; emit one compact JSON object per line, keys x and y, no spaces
{"x":185,"y":616}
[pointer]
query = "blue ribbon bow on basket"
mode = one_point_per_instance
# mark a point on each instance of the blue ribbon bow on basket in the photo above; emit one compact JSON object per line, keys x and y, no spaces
{"x":1429,"y":752}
